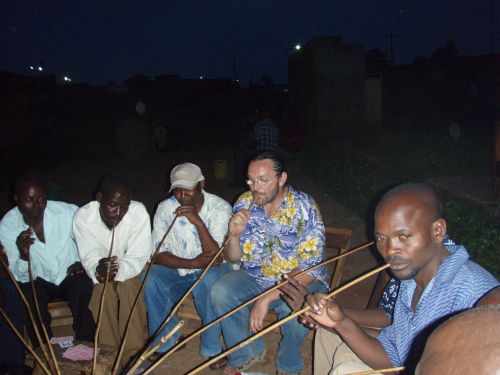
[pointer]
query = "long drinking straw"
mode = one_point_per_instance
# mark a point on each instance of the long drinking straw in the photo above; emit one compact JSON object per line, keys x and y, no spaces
{"x":24,"y":342}
{"x":229,"y":313}
{"x":141,"y":289}
{"x":98,"y":326}
{"x":276,"y":324}
{"x":381,"y":371}
{"x":28,"y":309}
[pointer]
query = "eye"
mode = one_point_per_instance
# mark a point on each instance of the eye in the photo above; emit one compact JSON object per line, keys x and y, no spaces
{"x":379,"y":238}
{"x":404,"y":236}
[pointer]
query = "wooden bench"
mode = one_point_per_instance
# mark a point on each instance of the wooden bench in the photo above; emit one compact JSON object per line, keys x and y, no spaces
{"x":61,"y":314}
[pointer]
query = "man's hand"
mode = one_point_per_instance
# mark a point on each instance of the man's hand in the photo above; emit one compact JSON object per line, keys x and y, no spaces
{"x":238,"y":222}
{"x":324,"y":312}
{"x":202,"y":260}
{"x":257,"y":314}
{"x":293,"y":293}
{"x":190,"y":213}
{"x":102,"y":269}
{"x":74,"y":269}
{"x":23,"y":242}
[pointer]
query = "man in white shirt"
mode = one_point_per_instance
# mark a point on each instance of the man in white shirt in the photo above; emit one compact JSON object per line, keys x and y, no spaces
{"x":194,"y":239}
{"x":93,"y":226}
{"x":40,"y":231}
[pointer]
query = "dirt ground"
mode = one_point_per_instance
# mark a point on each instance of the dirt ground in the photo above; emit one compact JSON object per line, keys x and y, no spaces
{"x":74,"y":181}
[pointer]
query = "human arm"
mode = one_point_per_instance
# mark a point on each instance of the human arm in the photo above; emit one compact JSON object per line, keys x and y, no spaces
{"x":102,"y":269}
{"x":92,"y":247}
{"x":490,"y":298}
{"x":330,"y":315}
{"x":138,"y":242}
{"x":237,"y":224}
{"x":261,"y":306}
{"x":294,"y":293}
{"x":208,"y":245}
{"x":74,"y":269}
{"x":11,"y":225}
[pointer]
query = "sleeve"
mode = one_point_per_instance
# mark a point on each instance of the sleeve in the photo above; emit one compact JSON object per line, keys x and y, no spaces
{"x":311,"y":238}
{"x":219,"y":220}
{"x":9,"y":230}
{"x":387,"y":338}
{"x":138,"y":246}
{"x":161,"y":221}
{"x":90,"y":248}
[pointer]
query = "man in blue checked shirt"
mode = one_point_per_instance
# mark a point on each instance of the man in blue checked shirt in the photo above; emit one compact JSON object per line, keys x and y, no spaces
{"x":437,"y":281}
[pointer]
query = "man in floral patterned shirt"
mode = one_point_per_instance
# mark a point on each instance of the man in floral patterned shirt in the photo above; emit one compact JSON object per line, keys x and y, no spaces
{"x":275,"y":230}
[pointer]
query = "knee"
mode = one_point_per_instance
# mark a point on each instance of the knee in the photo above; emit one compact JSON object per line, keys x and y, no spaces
{"x":220,"y":292}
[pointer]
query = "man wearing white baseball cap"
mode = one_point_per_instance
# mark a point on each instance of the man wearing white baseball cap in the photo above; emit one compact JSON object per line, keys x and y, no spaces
{"x":197,"y":234}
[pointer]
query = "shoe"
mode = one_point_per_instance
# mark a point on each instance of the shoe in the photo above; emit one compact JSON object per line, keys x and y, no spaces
{"x":258,"y":359}
{"x":221,"y":363}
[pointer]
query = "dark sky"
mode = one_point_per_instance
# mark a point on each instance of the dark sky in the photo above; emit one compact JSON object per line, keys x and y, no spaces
{"x":98,"y":41}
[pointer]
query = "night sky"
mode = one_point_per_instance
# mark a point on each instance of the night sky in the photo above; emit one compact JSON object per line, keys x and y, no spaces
{"x":98,"y":41}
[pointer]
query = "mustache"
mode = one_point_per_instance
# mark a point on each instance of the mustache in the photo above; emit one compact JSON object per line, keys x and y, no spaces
{"x":396,"y":259}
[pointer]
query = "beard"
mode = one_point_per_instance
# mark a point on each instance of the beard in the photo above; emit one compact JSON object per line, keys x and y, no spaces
{"x":402,"y":267}
{"x":261,"y":198}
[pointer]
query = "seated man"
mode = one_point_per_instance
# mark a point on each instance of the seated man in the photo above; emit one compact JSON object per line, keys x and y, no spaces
{"x":41,"y":231}
{"x":468,"y":343}
{"x":276,"y":230}
{"x":194,"y":239}
{"x":93,"y":225}
{"x":436,"y":282}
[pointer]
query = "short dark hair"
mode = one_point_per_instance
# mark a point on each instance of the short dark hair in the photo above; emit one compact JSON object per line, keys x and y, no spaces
{"x":109,"y":179}
{"x":423,"y":191}
{"x":278,"y":163}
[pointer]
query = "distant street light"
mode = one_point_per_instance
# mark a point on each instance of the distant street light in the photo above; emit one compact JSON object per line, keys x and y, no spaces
{"x":32,"y":67}
{"x":40,"y":68}
{"x":297,"y":47}
{"x":66,"y":79}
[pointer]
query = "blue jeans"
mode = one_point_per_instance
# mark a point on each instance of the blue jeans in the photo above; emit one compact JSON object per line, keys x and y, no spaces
{"x":165,"y":287}
{"x":235,"y":288}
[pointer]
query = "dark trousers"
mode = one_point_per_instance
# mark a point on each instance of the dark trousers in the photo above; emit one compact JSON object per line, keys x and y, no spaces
{"x":11,"y":348}
{"x":76,"y":290}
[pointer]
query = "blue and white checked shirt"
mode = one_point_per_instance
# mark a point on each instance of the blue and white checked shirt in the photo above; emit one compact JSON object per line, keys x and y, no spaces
{"x":457,"y":286}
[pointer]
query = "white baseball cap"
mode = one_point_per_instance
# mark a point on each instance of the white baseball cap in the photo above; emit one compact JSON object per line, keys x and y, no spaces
{"x":185,"y":176}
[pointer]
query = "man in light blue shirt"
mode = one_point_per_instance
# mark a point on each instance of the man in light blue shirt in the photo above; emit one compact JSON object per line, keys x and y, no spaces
{"x":40,"y":231}
{"x":437,"y":281}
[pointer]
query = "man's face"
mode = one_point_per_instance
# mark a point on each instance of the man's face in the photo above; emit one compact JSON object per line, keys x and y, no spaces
{"x":114,"y":204}
{"x":31,"y":201}
{"x":405,"y":236}
{"x":265,"y":183}
{"x":188,"y":197}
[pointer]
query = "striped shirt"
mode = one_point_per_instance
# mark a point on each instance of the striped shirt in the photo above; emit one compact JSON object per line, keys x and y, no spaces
{"x":458,"y":285}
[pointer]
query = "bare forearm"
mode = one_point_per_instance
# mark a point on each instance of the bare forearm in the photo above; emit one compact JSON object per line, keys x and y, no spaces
{"x":232,"y":251}
{"x":170,"y":260}
{"x":369,"y":317}
{"x":367,"y":348}
{"x":208,"y":244}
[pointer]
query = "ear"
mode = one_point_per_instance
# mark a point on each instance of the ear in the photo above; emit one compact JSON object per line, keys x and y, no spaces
{"x":98,"y":197}
{"x":202,"y":184}
{"x":282,"y":179}
{"x":439,"y":230}
{"x":15,"y":198}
